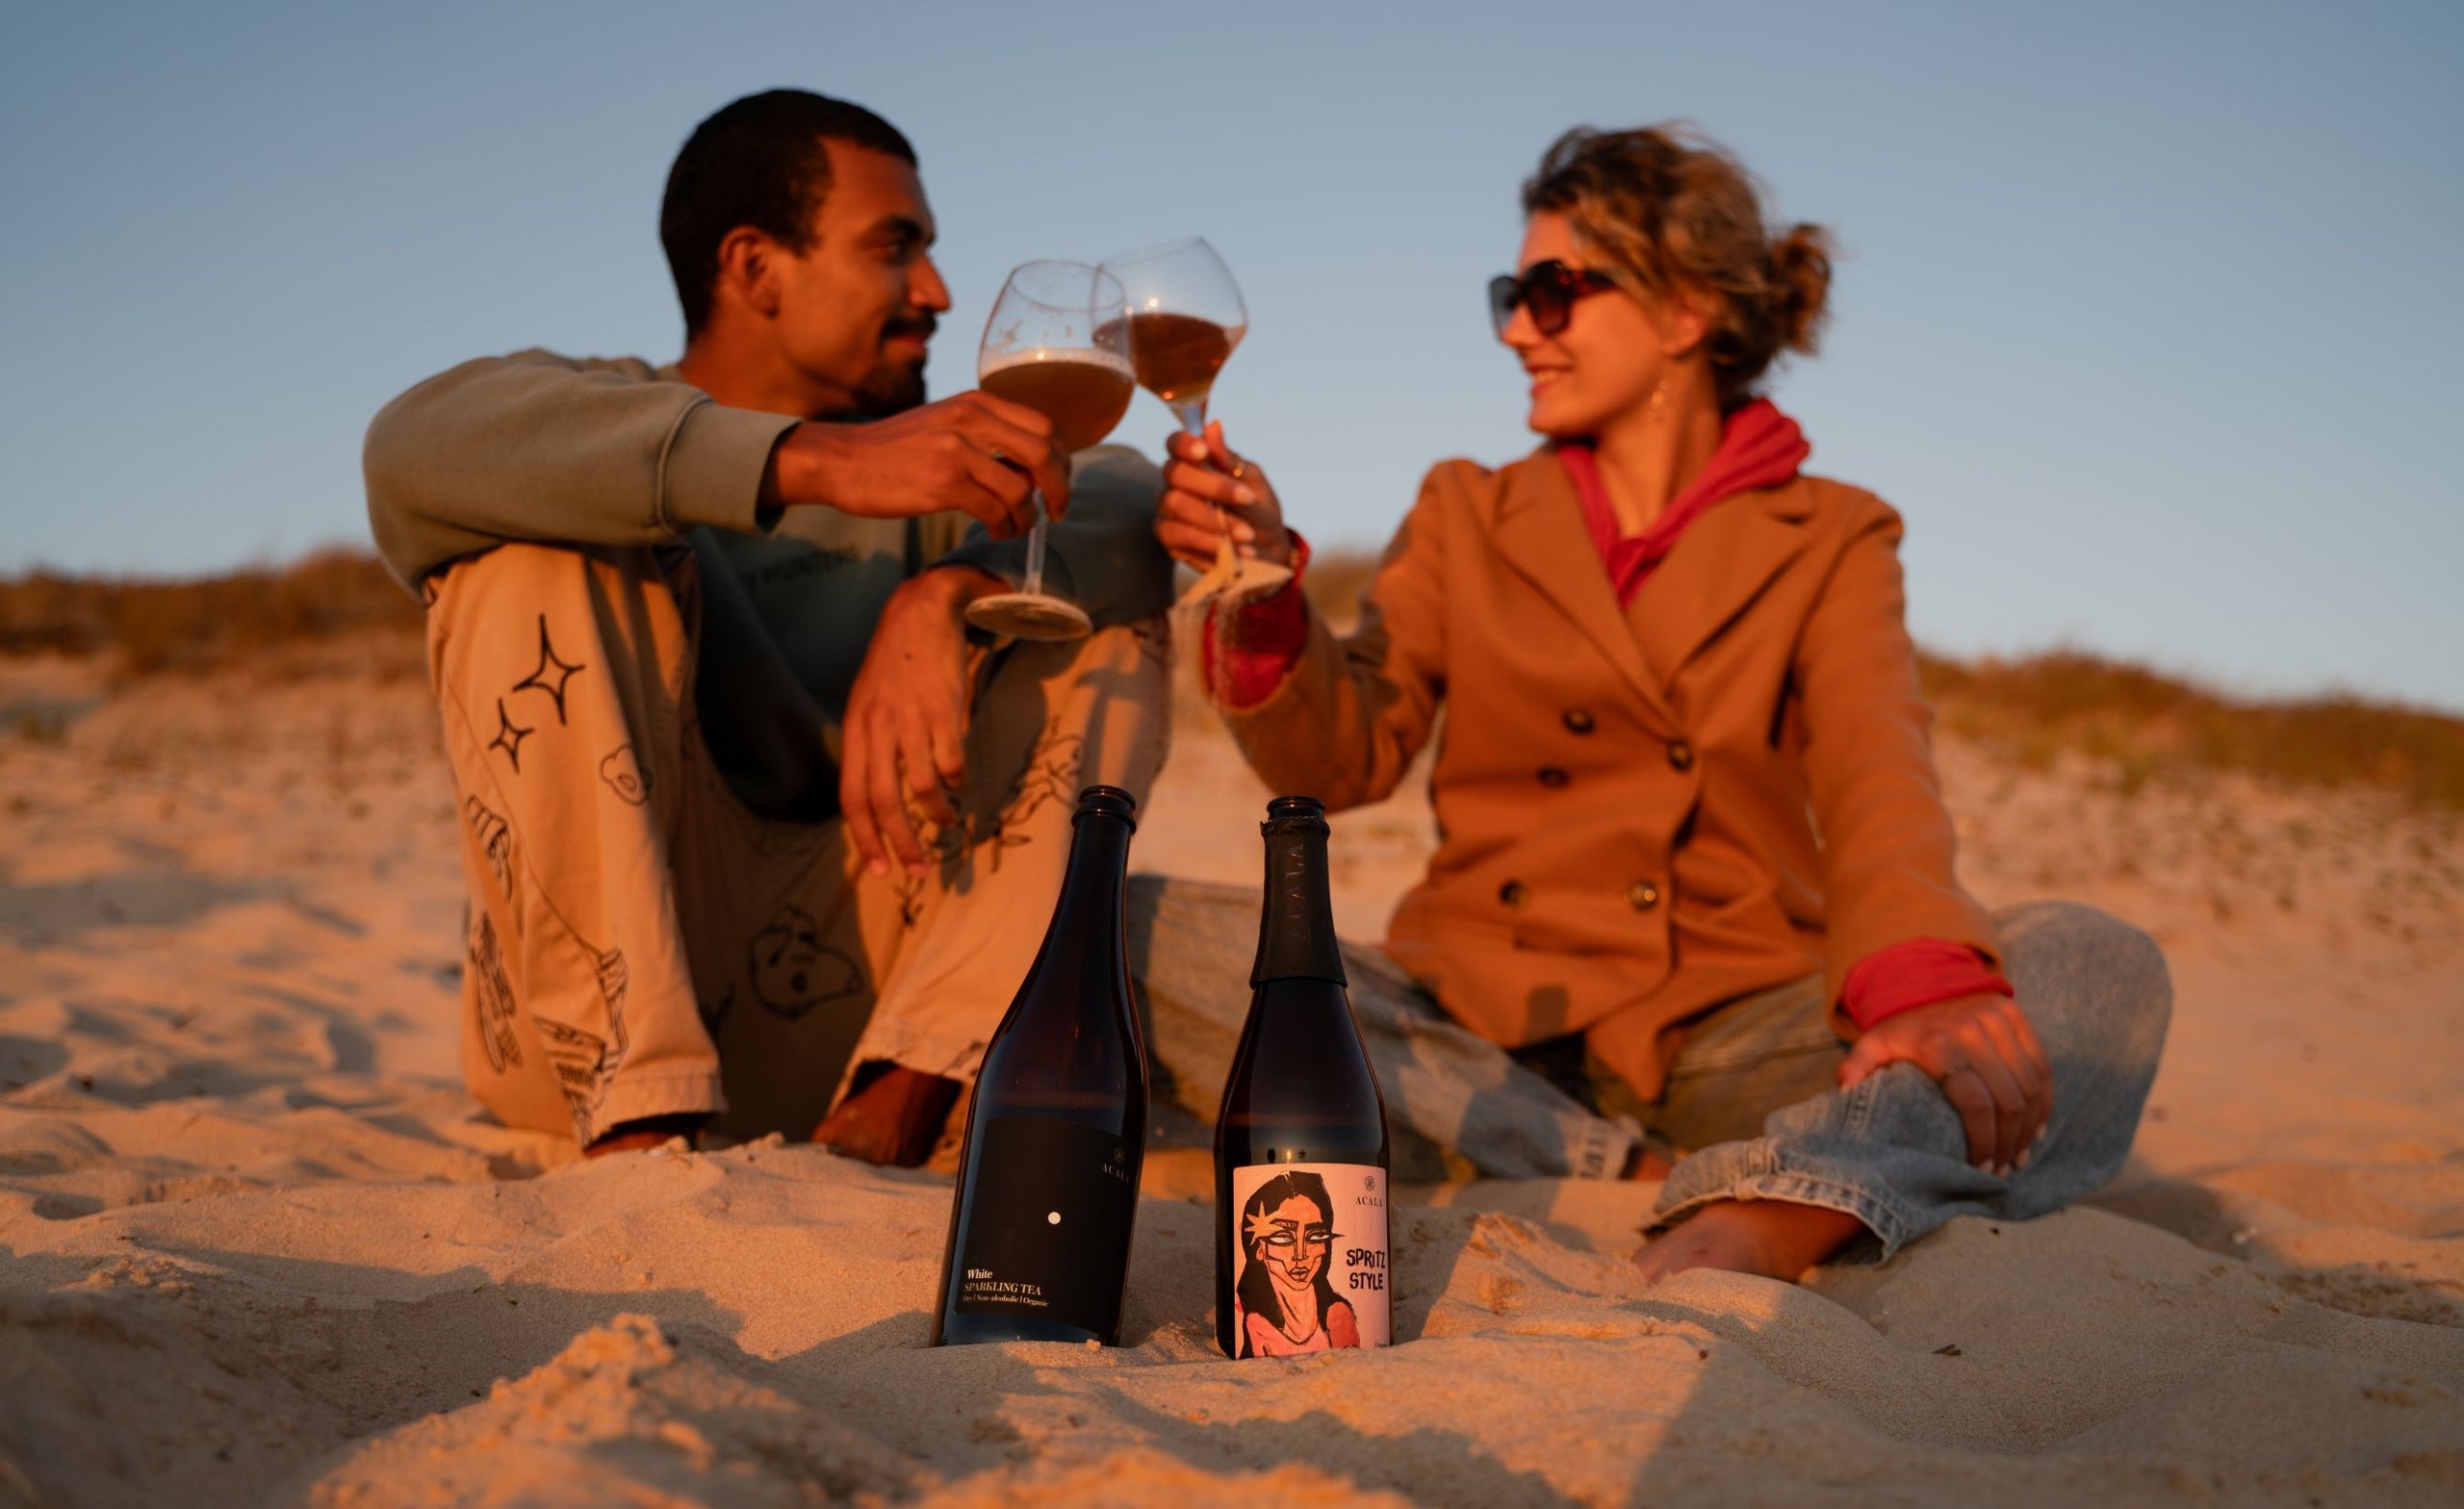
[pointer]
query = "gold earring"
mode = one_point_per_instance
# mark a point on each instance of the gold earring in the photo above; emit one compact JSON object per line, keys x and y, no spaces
{"x":1659,"y":397}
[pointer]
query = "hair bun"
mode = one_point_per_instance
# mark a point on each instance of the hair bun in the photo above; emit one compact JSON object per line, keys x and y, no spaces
{"x":1800,"y":286}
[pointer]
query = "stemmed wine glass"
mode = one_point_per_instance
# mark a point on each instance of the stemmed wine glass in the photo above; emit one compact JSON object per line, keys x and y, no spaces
{"x":1056,"y":342}
{"x":1185,"y":317}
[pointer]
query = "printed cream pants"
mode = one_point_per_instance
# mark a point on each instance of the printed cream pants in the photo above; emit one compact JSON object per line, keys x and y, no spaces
{"x":640,"y":944}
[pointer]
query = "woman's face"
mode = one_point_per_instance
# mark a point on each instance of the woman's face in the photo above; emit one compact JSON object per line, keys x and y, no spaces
{"x":1608,"y":360}
{"x":1292,"y":1240}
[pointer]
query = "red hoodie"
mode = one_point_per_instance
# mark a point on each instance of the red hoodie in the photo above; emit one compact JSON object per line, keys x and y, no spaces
{"x":1759,"y":448}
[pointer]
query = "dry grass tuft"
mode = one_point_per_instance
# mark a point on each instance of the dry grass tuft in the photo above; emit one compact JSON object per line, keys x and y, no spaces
{"x":1333,"y":582}
{"x":205,"y":623}
{"x":2147,"y":724}
{"x":2151,"y":725}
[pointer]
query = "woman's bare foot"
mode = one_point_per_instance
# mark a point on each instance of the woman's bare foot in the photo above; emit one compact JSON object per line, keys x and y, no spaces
{"x":1648,"y":1164}
{"x":1774,"y":1239}
{"x":895,"y":1119}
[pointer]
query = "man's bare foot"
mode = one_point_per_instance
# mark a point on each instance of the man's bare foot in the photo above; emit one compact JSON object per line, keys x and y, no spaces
{"x":894,"y":1120}
{"x":1774,"y":1239}
{"x":635,"y":1137}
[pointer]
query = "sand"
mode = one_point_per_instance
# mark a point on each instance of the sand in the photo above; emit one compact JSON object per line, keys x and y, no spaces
{"x":257,"y":1247}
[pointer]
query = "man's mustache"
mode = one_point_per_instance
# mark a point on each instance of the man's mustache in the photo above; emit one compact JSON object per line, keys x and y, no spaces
{"x":920,"y":326}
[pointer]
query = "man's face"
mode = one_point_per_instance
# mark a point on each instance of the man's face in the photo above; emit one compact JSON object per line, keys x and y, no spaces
{"x":857,"y":309}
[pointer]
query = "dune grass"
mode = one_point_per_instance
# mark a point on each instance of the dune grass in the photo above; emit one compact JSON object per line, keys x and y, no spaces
{"x":2036,"y":707}
{"x":2146,"y":723}
{"x":204,"y":622}
{"x":2151,"y":724}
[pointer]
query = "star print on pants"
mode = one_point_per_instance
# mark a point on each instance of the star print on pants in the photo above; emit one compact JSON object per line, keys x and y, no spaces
{"x":509,"y":737}
{"x":553,"y":673}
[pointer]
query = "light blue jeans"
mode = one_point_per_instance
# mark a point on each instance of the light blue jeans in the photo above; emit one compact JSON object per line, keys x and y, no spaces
{"x":1750,"y":1098}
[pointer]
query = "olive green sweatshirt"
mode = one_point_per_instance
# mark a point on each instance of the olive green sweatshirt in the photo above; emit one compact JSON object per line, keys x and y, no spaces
{"x":557,"y":451}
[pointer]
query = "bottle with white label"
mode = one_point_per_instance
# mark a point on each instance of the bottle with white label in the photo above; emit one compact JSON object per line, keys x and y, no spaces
{"x":1056,"y":1129}
{"x":1300,"y":1155}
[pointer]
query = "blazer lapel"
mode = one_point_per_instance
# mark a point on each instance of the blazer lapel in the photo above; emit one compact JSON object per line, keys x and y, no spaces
{"x":1719,"y":567}
{"x":1540,"y":533}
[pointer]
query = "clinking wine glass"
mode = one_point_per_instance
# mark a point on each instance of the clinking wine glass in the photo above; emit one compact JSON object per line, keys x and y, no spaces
{"x":1185,"y":317}
{"x":1057,"y":344}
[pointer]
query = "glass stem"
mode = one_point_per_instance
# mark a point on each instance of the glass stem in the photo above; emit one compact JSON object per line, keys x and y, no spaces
{"x":1193,"y":417}
{"x":1033,"y":586}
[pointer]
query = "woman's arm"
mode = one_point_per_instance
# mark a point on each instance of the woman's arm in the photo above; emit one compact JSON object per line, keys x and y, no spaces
{"x":1352,"y":712}
{"x":1886,"y":837}
{"x":541,"y":447}
{"x":1886,"y":853}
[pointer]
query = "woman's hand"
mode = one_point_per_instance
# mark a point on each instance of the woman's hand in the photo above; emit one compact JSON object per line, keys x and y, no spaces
{"x":1209,"y":491}
{"x":1986,"y":1057}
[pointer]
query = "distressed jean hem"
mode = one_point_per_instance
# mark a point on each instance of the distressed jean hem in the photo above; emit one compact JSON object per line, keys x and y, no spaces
{"x":1892,"y":1220}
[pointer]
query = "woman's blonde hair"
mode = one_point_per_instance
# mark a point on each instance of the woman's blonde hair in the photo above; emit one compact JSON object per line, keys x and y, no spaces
{"x":1670,"y":214}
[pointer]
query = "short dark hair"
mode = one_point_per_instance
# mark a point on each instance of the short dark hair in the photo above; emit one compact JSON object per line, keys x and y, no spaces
{"x":759,"y":161}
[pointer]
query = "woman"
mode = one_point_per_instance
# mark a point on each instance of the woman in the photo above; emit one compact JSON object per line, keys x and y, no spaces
{"x":1287,"y":1307}
{"x":1693,"y":859}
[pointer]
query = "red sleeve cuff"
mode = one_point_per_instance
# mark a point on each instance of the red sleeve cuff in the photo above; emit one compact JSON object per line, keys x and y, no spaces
{"x":1919,"y":972}
{"x":1262,"y":641}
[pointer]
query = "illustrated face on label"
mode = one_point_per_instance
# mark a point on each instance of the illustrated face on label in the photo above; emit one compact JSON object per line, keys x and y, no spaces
{"x":1310,"y":1270}
{"x":1292,"y":1241}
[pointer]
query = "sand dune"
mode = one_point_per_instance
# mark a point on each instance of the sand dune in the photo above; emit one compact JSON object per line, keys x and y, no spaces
{"x":255,"y":1245}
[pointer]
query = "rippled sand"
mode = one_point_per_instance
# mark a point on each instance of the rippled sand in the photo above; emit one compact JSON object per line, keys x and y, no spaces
{"x":255,"y":1244}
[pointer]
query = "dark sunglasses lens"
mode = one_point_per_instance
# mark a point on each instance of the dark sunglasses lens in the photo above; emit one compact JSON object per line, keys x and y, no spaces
{"x":1545,"y":294}
{"x":1504,"y":293}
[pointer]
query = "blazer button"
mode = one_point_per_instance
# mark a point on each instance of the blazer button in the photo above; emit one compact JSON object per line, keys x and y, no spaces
{"x":1551,"y":777}
{"x":1642,"y":895}
{"x":1681,"y":755}
{"x":1513,"y":894}
{"x":1578,"y":721}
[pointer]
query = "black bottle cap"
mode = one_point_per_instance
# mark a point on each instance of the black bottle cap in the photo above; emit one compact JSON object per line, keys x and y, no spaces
{"x":1108,"y":801}
{"x":1293,"y":814}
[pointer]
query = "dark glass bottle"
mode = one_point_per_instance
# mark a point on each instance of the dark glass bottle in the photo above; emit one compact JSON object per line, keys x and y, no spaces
{"x":1300,"y":1156}
{"x":1047,"y":1187}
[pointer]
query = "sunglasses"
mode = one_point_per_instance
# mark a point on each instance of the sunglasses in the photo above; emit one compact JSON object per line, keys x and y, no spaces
{"x":1548,"y":289}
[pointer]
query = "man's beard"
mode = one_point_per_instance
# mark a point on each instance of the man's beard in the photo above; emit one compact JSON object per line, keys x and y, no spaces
{"x":895,"y":387}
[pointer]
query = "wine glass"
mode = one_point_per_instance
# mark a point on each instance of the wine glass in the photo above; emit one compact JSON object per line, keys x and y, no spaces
{"x":1185,"y":317}
{"x":1057,"y":344}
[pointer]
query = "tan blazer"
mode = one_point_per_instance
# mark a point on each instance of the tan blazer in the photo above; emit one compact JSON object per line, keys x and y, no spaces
{"x":1641,"y":813}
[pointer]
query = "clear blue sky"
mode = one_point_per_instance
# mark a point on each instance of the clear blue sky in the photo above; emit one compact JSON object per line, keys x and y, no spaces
{"x":2148,"y":322}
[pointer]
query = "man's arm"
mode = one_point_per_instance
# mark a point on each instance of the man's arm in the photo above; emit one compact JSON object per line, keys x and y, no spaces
{"x":904,"y":733}
{"x":541,"y":447}
{"x":907,"y":717}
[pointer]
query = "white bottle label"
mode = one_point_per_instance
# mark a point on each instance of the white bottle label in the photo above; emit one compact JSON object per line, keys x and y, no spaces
{"x":1309,"y":1262}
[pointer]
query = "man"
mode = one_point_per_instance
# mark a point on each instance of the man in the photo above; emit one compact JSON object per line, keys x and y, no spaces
{"x":753,"y":832}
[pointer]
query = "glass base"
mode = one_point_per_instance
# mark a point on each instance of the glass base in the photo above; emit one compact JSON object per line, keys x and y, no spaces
{"x":1023,"y":615}
{"x":1235,"y":580}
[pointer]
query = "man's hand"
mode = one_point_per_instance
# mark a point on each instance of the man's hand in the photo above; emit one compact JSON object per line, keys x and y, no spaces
{"x":1982,"y":1051}
{"x":972,"y":452}
{"x":905,"y":728}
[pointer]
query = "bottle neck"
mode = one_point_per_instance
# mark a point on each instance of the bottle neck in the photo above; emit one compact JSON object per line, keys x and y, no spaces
{"x":1296,"y":928}
{"x":1091,"y":888}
